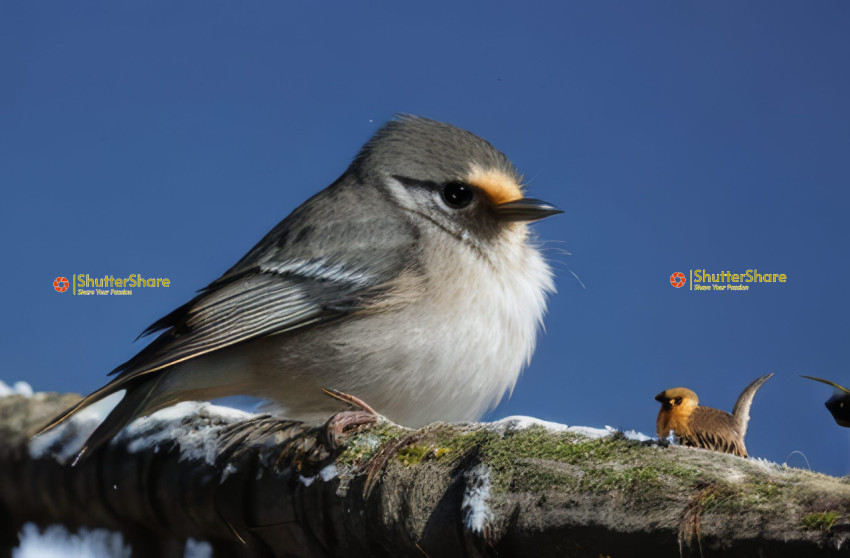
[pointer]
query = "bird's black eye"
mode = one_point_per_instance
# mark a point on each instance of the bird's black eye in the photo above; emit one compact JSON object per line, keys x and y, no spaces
{"x":458,"y":194}
{"x":678,"y":401}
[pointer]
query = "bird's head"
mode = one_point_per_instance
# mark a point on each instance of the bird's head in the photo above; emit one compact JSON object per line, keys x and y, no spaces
{"x":677,"y":399}
{"x":450,"y":181}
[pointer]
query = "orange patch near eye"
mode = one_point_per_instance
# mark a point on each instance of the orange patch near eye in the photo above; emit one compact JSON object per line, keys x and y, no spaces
{"x":498,"y":186}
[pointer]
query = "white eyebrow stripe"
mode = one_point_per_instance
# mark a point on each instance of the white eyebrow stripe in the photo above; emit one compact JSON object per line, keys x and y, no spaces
{"x":399,"y":192}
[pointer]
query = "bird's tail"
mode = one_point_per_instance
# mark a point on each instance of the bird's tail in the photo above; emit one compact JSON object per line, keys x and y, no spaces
{"x":741,"y":411}
{"x":137,"y":393}
{"x":839,"y":390}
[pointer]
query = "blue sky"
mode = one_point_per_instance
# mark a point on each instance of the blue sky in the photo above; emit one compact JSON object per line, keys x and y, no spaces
{"x":165,"y":139}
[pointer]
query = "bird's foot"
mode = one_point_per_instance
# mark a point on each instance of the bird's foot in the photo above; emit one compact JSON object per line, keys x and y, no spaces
{"x":343,"y":424}
{"x":348,"y":421}
{"x":295,"y":442}
{"x":302,"y":445}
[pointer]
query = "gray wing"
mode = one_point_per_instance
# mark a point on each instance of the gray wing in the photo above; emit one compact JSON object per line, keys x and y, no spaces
{"x":253,"y":305}
{"x":741,"y":410}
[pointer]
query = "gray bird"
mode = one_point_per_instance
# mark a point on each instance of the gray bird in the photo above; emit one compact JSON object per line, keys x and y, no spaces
{"x":412,"y":282}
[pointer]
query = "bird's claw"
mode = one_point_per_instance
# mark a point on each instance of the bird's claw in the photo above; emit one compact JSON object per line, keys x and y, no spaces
{"x":349,"y":399}
{"x":345,"y":423}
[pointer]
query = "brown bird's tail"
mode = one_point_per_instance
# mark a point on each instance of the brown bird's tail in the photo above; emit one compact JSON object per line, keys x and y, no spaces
{"x":741,"y":411}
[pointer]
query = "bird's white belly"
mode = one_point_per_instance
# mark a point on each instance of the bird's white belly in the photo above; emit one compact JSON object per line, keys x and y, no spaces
{"x":449,"y":356}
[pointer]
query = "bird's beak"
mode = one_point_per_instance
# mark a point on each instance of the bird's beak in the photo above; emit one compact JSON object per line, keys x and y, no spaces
{"x":660,"y":397}
{"x":525,"y":209}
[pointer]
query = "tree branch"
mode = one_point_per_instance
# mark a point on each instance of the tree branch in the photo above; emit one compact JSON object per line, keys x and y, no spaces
{"x":255,"y":485}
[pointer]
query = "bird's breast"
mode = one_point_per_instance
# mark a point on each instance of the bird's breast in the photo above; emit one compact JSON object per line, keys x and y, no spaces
{"x":448,"y":352}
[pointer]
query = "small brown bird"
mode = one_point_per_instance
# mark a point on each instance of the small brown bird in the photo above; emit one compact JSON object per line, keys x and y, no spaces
{"x":704,"y":427}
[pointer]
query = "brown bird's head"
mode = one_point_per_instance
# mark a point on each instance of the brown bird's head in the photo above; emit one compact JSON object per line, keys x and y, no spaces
{"x":678,"y":399}
{"x":677,"y":405}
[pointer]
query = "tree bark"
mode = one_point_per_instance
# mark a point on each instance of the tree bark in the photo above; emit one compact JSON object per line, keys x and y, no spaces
{"x":260,"y":486}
